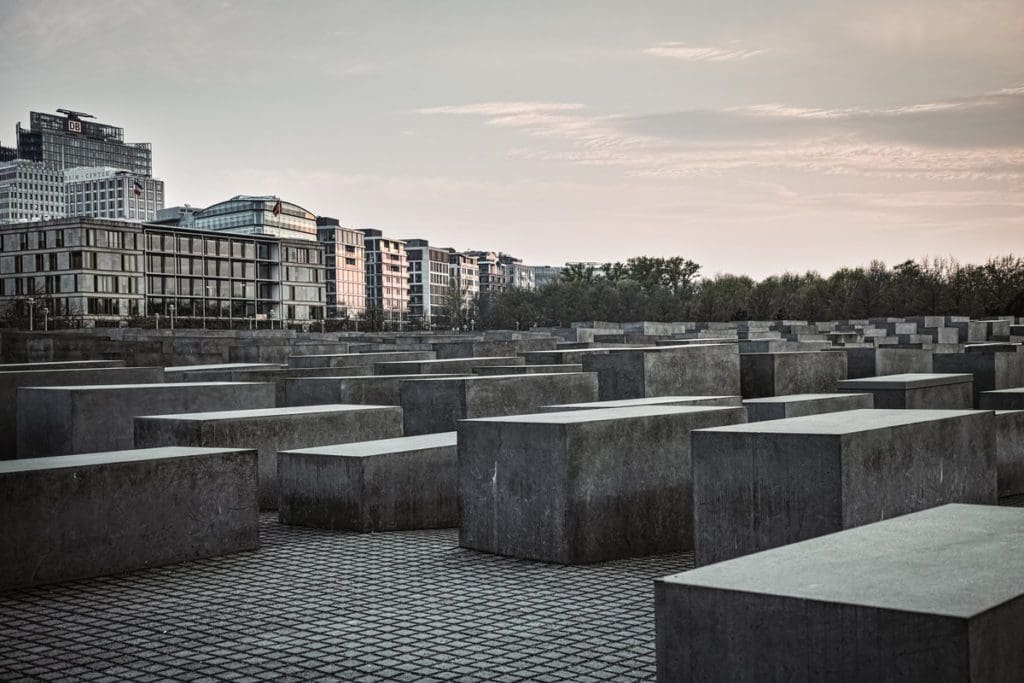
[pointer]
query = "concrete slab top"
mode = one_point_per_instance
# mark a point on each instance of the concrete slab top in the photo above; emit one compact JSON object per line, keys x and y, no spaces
{"x":221,"y":366}
{"x":1008,"y":412}
{"x":911,"y":380}
{"x":601,"y":415}
{"x":364,"y":449}
{"x":523,"y":377}
{"x":1003,"y":392}
{"x":369,"y":378}
{"x":449,"y":360}
{"x":256,"y":413}
{"x":174,"y":386}
{"x":798,"y":398}
{"x":667,"y":349}
{"x":631,"y":402}
{"x":846,"y":422}
{"x":57,"y":462}
{"x":955,"y":560}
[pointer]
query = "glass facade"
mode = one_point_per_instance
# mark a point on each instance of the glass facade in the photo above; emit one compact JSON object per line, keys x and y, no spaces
{"x":387,"y":275}
{"x":102,"y":268}
{"x":258,"y":216}
{"x":344,"y":267}
{"x":68,"y":141}
{"x":30,"y":191}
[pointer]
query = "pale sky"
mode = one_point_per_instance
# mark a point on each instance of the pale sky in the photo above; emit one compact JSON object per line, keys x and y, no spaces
{"x":750,"y":137}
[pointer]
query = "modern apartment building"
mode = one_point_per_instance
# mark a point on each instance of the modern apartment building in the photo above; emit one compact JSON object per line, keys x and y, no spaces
{"x":465,"y":274}
{"x":96,"y":269}
{"x":429,"y":280}
{"x":30,"y":191}
{"x":68,"y":139}
{"x":545,"y":275}
{"x":387,"y":276}
{"x":101,"y":192}
{"x":345,"y":268}
{"x":499,"y":271}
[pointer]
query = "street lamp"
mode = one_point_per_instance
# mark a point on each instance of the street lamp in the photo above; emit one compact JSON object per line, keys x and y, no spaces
{"x":46,"y":319}
{"x":172,"y":308}
{"x":31,"y":313}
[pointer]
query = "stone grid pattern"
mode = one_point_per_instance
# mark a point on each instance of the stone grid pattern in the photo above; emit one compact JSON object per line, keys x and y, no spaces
{"x":317,"y":605}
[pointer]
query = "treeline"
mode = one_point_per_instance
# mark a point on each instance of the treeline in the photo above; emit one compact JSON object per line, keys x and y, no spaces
{"x":671,"y":289}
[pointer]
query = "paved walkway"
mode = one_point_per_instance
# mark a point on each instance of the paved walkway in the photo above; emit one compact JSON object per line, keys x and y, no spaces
{"x":315,"y":605}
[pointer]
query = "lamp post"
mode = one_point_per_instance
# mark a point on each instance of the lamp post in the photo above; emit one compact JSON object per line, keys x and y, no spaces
{"x":171,"y":308}
{"x":46,"y":319}
{"x":31,"y":313}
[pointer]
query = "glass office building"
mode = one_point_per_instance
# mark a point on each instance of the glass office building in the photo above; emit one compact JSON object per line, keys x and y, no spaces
{"x":70,"y":140}
{"x":258,"y":216}
{"x":344,"y":267}
{"x":95,"y":269}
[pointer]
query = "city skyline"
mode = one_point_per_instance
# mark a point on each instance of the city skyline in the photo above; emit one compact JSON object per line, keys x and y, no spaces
{"x":752,"y":140}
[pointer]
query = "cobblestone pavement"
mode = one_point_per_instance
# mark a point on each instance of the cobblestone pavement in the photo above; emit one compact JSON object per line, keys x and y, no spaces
{"x":312,"y":604}
{"x":316,"y":605}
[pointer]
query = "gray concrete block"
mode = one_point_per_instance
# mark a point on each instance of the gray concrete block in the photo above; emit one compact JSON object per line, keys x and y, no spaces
{"x":766,"y":484}
{"x":447,"y":366}
{"x":61,"y":420}
{"x":333,"y":360}
{"x":271,"y":430}
{"x":697,"y":369}
{"x":527,"y":369}
{"x":212,"y":372}
{"x":990,"y":369}
{"x":386,"y":485}
{"x":491,"y":347}
{"x":559,"y":357}
{"x":639,"y":402}
{"x":581,"y":486}
{"x":1002,"y":399}
{"x":938,"y":391}
{"x":77,"y":516}
{"x":62,"y":365}
{"x":371,"y":389}
{"x":799,"y":405}
{"x":12,"y":380}
{"x":795,"y":372}
{"x":1010,"y":451}
{"x":436,"y":405}
{"x":873,"y":362}
{"x":937,"y":595}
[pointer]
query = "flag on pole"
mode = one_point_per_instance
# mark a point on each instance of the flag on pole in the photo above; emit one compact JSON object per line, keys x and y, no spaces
{"x":137,"y":188}
{"x":277,"y":208}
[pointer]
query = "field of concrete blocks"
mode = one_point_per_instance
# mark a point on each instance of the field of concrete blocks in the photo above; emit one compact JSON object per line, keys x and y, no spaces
{"x":745,"y":501}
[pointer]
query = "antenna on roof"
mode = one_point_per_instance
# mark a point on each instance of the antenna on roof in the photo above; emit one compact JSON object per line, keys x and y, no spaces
{"x":75,"y":114}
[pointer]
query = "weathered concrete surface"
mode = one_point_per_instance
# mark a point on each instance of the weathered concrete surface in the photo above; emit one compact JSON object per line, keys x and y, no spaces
{"x":799,"y":405}
{"x":446,"y":366}
{"x":581,"y":486}
{"x":1010,"y":451}
{"x":278,"y":375}
{"x":939,"y":391}
{"x":270,"y":430}
{"x":386,"y":485}
{"x":76,"y":516}
{"x":12,"y":380}
{"x":371,"y":389}
{"x":560,"y":357}
{"x":81,"y":419}
{"x":639,"y":402}
{"x":874,"y":362}
{"x":697,"y":369}
{"x":793,"y":372}
{"x":1002,"y":399}
{"x":212,"y":372}
{"x":937,"y":595}
{"x":990,"y":369}
{"x":62,"y":365}
{"x":436,"y":405}
{"x":766,"y":484}
{"x":527,"y":369}
{"x":492,"y":347}
{"x":335,"y":360}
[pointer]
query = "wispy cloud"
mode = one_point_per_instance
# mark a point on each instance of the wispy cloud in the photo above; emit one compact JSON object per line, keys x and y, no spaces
{"x":501,"y":108}
{"x":694,"y":53}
